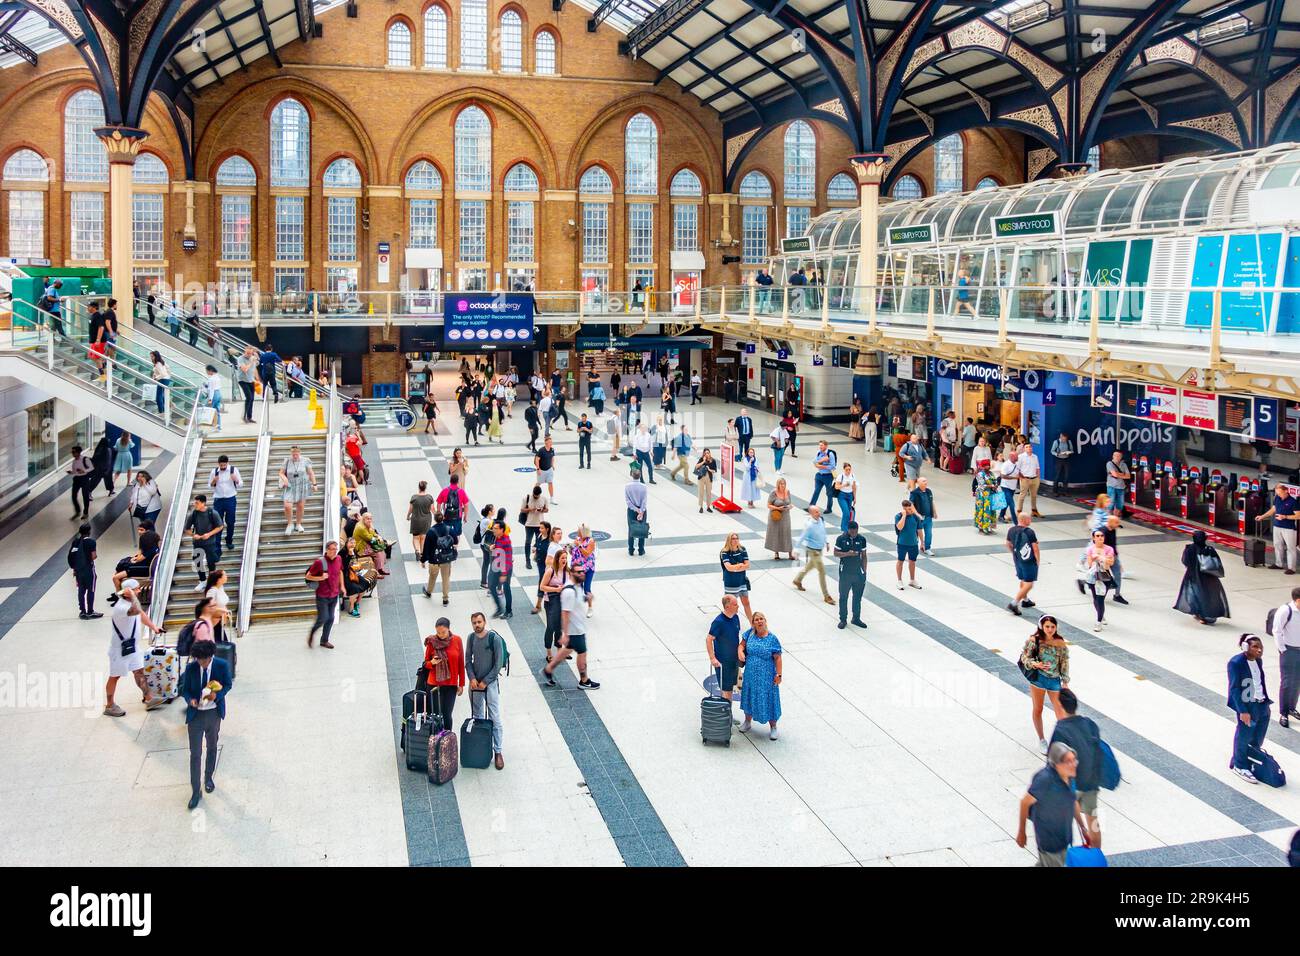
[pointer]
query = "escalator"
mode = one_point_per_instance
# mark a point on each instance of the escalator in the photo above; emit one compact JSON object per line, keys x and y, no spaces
{"x":283,"y":559}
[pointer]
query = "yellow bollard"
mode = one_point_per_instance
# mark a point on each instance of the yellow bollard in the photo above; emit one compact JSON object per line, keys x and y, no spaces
{"x":312,"y":404}
{"x":319,"y":424}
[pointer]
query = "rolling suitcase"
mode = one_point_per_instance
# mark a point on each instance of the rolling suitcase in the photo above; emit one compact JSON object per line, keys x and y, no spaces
{"x":162,"y":671}
{"x":1252,"y":552}
{"x":226,"y":651}
{"x":957,"y":464}
{"x":417,"y":727}
{"x":715,"y":720}
{"x":444,"y":759}
{"x":476,"y":740}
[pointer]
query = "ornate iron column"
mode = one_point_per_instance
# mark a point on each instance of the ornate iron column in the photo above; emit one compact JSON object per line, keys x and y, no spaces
{"x":123,"y":145}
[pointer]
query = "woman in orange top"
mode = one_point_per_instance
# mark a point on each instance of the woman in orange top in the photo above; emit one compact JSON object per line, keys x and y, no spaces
{"x":443,"y":671}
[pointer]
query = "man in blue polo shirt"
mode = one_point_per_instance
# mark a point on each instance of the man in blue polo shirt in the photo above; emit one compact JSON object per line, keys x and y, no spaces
{"x":824,"y":477}
{"x":1283,"y":514}
{"x":1052,"y":805}
{"x":907,"y":525}
{"x":723,"y":645}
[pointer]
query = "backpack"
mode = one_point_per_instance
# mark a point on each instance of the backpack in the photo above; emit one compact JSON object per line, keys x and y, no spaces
{"x":451,"y":511}
{"x":1268,"y":621}
{"x":834,"y":458}
{"x":502,"y":658}
{"x":185,"y":640}
{"x":445,"y":543}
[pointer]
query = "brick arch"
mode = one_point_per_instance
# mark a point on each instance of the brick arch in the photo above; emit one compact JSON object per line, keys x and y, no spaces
{"x":773,"y":181}
{"x":486,"y":100}
{"x":162,"y":158}
{"x":342,"y":154}
{"x":403,"y":19}
{"x":650,"y":103}
{"x":693,"y":167}
{"x":615,"y":179}
{"x":528,"y":161}
{"x":273,"y":89}
{"x":427,"y":157}
{"x":554,"y":31}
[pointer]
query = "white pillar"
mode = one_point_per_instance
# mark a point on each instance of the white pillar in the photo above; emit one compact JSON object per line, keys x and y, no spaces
{"x":870,"y":168}
{"x":123,"y":145}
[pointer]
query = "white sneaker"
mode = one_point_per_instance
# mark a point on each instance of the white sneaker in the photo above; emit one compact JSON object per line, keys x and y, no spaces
{"x":1096,"y":629}
{"x":288,"y":529}
{"x":913,"y":584}
{"x":301,"y":529}
{"x":744,"y":728}
{"x":900,"y":585}
{"x":1042,"y":746}
{"x":554,"y":501}
{"x":1105,"y":623}
{"x":1245,"y":774}
{"x":200,"y":586}
{"x":929,"y":553}
{"x":772,"y":735}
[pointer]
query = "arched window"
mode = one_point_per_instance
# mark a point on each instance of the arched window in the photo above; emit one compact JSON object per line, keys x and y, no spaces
{"x":290,"y":144}
{"x":544,"y":54}
{"x":473,"y":150}
{"x":26,"y":206}
{"x":800,"y":161}
{"x":473,"y":35}
{"x":422,"y":210}
{"x":399,"y":44}
{"x":423,"y":175}
{"x":84,"y":158}
{"x":1094,"y":159}
{"x":949,"y":167}
{"x":842,"y":188}
{"x":435,"y":38}
{"x":236,"y":174}
{"x":342,"y":174}
{"x":755,"y":186}
{"x":27,"y":165}
{"x":686,"y":215}
{"x":988,"y":182}
{"x":641,"y":153}
{"x":596,"y":181}
{"x":148,"y":208}
{"x":521,"y":179}
{"x":520,"y":228}
{"x":236,"y":171}
{"x":907,"y":187}
{"x":149,"y":170}
{"x":512,"y":43}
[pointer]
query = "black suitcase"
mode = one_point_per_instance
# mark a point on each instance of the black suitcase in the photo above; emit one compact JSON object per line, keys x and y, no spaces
{"x":226,"y":651}
{"x":476,"y":740}
{"x":1253,"y":552}
{"x":417,"y":728}
{"x":715,"y":720}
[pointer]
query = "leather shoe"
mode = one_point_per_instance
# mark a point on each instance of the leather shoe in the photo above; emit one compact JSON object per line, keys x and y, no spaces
{"x":1283,"y":722}
{"x":857,"y":623}
{"x":194,"y":800}
{"x":841,"y":625}
{"x":208,"y":785}
{"x":500,"y":762}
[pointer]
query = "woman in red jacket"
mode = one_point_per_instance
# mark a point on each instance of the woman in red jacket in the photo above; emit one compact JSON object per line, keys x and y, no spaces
{"x":443,"y":671}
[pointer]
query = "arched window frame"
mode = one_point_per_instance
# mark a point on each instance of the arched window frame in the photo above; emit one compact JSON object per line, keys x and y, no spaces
{"x":400,"y":44}
{"x":422,"y":186}
{"x":641,"y":156}
{"x":436,"y":29}
{"x":473,"y":35}
{"x":510,"y":32}
{"x":546,"y":53}
{"x":842,"y":188}
{"x":907,"y":186}
{"x":236,"y":190}
{"x":686,"y":193}
{"x":800,"y":155}
{"x":25,"y":185}
{"x":473,"y":150}
{"x":290,"y":144}
{"x":85,"y":160}
{"x":988,"y":182}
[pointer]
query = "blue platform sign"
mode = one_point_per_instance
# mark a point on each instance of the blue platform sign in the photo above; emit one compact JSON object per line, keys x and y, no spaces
{"x":1266,"y":415}
{"x":818,"y":360}
{"x":1049,"y":396}
{"x":783,"y":354}
{"x":487,"y":320}
{"x":750,"y":348}
{"x":1143,"y":409}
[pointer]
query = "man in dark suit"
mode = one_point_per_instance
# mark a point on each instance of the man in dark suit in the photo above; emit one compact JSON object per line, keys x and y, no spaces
{"x":745,"y":431}
{"x":205,"y":710}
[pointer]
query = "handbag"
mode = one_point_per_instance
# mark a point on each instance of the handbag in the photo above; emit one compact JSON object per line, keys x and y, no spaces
{"x":1210,"y":564}
{"x":127,"y":643}
{"x":701,"y":470}
{"x":207,"y":416}
{"x":638,"y":528}
{"x":1030,"y":673}
{"x":523,"y":514}
{"x":138,"y":513}
{"x":775,"y":514}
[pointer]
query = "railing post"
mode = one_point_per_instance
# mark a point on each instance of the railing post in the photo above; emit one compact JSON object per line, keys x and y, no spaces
{"x":1004,"y":314}
{"x":699,"y":307}
{"x":929,"y":316}
{"x":785,"y":304}
{"x":582,"y":303}
{"x":108,"y":379}
{"x":722,"y":303}
{"x":826,"y":305}
{"x":49,"y":350}
{"x":388,"y":308}
{"x":1216,"y":330}
{"x":753,"y":300}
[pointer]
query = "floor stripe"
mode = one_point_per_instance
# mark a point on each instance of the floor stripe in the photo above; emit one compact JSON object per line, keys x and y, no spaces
{"x":1250,"y":850}
{"x":638,"y":832}
{"x":32,"y":589}
{"x":1217,"y":793}
{"x":434,"y":835}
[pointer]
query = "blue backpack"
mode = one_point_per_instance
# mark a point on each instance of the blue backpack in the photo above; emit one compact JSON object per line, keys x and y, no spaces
{"x":1110,"y":775}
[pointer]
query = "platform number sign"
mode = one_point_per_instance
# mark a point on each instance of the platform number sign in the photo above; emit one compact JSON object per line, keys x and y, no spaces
{"x":1266,"y":414}
{"x":1103,"y":394}
{"x":1144,"y":408}
{"x":1049,"y":397}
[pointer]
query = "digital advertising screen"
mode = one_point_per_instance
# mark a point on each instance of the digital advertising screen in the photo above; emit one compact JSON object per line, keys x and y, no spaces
{"x":487,"y":320}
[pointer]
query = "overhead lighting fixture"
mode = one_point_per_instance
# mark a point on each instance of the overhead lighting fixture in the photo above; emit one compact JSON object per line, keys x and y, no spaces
{"x":1029,"y":16}
{"x":1229,"y":28}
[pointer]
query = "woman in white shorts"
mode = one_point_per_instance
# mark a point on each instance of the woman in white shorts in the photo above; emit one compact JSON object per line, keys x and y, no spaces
{"x":128,"y":645}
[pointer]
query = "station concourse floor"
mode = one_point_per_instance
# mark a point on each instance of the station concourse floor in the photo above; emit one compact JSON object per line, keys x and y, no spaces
{"x":908,"y":743}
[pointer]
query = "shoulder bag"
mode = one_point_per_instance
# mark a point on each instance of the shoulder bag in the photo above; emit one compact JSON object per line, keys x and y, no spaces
{"x":1209,"y":564}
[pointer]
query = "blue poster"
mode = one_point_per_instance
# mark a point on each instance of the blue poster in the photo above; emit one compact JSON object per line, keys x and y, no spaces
{"x":1288,"y":310}
{"x":487,"y":320}
{"x":1249,"y":262}
{"x":1030,"y":380}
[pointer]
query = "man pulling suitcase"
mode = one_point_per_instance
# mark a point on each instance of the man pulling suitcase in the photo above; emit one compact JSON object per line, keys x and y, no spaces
{"x":486,"y":655}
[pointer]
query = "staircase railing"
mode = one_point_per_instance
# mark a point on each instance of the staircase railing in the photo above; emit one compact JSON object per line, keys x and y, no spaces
{"x":256,"y":501}
{"x":174,"y":533}
{"x":131,"y":345}
{"x":34,"y":332}
{"x":333,"y":464}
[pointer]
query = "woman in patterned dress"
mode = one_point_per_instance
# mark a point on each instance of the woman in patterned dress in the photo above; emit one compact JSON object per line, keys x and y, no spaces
{"x":986,"y":489}
{"x":760,"y":694}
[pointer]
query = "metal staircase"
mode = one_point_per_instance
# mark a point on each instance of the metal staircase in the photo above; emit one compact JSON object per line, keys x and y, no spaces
{"x":282,"y":560}
{"x":182,"y":596}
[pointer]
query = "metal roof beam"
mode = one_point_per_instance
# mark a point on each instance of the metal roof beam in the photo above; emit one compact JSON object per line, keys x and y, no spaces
{"x":711,"y":41}
{"x":653,"y":30}
{"x":266,"y":31}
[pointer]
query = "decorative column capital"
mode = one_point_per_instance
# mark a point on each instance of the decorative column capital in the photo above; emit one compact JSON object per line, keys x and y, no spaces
{"x":870,"y":168}
{"x":1071,"y":170}
{"x":122,"y":142}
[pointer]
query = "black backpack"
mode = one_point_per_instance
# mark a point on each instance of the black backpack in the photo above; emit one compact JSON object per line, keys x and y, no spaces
{"x":185,"y":640}
{"x":1268,"y":621}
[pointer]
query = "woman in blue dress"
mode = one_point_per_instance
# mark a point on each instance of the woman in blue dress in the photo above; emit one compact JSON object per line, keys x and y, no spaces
{"x":760,"y":694}
{"x":747,"y":475}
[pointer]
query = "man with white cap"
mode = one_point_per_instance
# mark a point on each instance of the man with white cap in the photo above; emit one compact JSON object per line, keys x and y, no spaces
{"x":126,"y":648}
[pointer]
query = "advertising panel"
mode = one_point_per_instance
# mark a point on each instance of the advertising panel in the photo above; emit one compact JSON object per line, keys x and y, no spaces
{"x":487,"y":320}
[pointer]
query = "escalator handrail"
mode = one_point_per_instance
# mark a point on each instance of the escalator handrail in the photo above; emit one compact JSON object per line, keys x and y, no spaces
{"x":256,"y":503}
{"x":174,"y":533}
